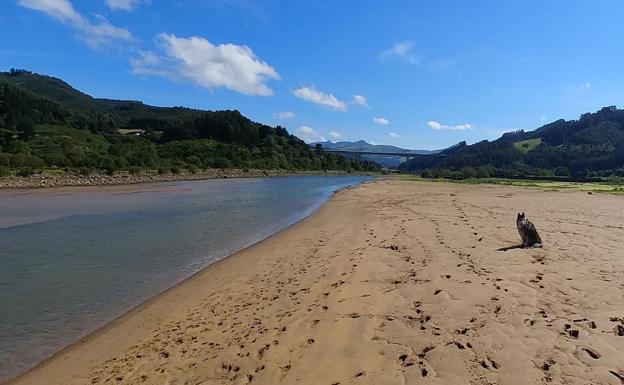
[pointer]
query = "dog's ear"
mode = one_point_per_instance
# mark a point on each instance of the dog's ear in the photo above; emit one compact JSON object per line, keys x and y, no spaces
{"x":523,"y":215}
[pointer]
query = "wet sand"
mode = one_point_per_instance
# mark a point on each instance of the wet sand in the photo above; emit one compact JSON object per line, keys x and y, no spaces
{"x":389,"y":283}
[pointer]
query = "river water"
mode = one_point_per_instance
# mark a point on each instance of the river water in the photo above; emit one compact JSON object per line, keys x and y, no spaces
{"x":72,"y":260}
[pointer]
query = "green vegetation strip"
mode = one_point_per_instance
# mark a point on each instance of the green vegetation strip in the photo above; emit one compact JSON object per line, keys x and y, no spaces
{"x":615,"y":186}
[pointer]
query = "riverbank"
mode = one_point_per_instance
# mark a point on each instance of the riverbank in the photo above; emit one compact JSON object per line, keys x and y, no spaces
{"x":393,"y":282}
{"x":48,"y":179}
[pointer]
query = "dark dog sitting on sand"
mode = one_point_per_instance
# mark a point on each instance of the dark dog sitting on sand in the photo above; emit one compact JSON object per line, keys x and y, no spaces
{"x":528,"y":233}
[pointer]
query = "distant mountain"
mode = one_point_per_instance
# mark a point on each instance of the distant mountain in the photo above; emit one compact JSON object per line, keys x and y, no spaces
{"x":384,"y":160}
{"x":592,"y":146}
{"x":362,"y":145}
{"x":45,"y":123}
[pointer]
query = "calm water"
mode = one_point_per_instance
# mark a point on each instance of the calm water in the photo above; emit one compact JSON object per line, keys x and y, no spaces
{"x":70,"y":262}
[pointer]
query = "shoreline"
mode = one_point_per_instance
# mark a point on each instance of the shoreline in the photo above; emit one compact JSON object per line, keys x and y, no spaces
{"x":50,"y":180}
{"x":98,"y":331}
{"x":143,"y":305}
{"x":388,"y":283}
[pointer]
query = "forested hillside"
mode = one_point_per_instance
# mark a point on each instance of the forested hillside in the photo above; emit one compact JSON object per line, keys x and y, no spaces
{"x":592,"y":146}
{"x":47,"y":124}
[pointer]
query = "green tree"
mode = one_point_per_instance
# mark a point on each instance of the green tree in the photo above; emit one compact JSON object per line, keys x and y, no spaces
{"x":26,"y":130}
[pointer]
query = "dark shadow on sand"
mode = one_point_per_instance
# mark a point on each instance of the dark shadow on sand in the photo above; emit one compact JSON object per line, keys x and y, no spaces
{"x":510,"y":248}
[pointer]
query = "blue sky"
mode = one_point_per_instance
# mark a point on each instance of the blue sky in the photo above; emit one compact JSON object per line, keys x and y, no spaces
{"x":417,"y":74}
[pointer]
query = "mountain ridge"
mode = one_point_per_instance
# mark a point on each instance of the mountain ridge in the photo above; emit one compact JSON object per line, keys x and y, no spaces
{"x":390,"y":161}
{"x":45,"y":123}
{"x":591,"y":146}
{"x":362,"y":145}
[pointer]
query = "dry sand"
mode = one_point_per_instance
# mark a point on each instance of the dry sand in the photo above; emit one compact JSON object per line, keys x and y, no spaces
{"x":389,"y":283}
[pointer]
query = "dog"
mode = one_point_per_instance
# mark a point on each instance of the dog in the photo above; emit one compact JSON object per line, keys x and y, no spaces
{"x":528,"y":233}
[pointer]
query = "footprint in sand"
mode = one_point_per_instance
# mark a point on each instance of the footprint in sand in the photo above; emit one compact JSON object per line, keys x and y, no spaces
{"x":618,"y":330}
{"x":546,"y":368}
{"x":406,"y":361}
{"x":592,"y":353}
{"x":489,"y":363}
{"x":547,"y":365}
{"x":574,"y":333}
{"x":618,"y":374}
{"x":537,"y":278}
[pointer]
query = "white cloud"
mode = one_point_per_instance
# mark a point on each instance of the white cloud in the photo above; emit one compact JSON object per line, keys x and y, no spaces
{"x":394,"y":135}
{"x":285,"y":115}
{"x":95,"y":34}
{"x":309,"y":135}
{"x":124,"y":5}
{"x":402,"y":50}
{"x":200,"y":62}
{"x":588,"y":85}
{"x":146,"y":58}
{"x":382,"y":121}
{"x":360,"y":100}
{"x":439,"y":126}
{"x":311,"y":94}
{"x":62,"y":10}
{"x":333,"y":135}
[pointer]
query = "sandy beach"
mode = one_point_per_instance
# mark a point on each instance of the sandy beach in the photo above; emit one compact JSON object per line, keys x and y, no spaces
{"x":392,"y":282}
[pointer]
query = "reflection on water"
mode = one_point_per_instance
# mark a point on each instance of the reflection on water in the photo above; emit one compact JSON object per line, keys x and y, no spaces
{"x":70,"y":262}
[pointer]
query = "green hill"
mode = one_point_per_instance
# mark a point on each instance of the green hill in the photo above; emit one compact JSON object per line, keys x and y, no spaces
{"x":592,"y":146}
{"x":45,"y":123}
{"x":51,"y":88}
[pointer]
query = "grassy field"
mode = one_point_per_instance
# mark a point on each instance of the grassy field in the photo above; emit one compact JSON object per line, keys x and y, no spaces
{"x":611,"y":187}
{"x":83,"y":138}
{"x":528,"y":145}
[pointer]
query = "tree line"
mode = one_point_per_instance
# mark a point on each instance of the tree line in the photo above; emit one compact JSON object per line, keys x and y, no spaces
{"x":58,"y":127}
{"x":590,"y":147}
